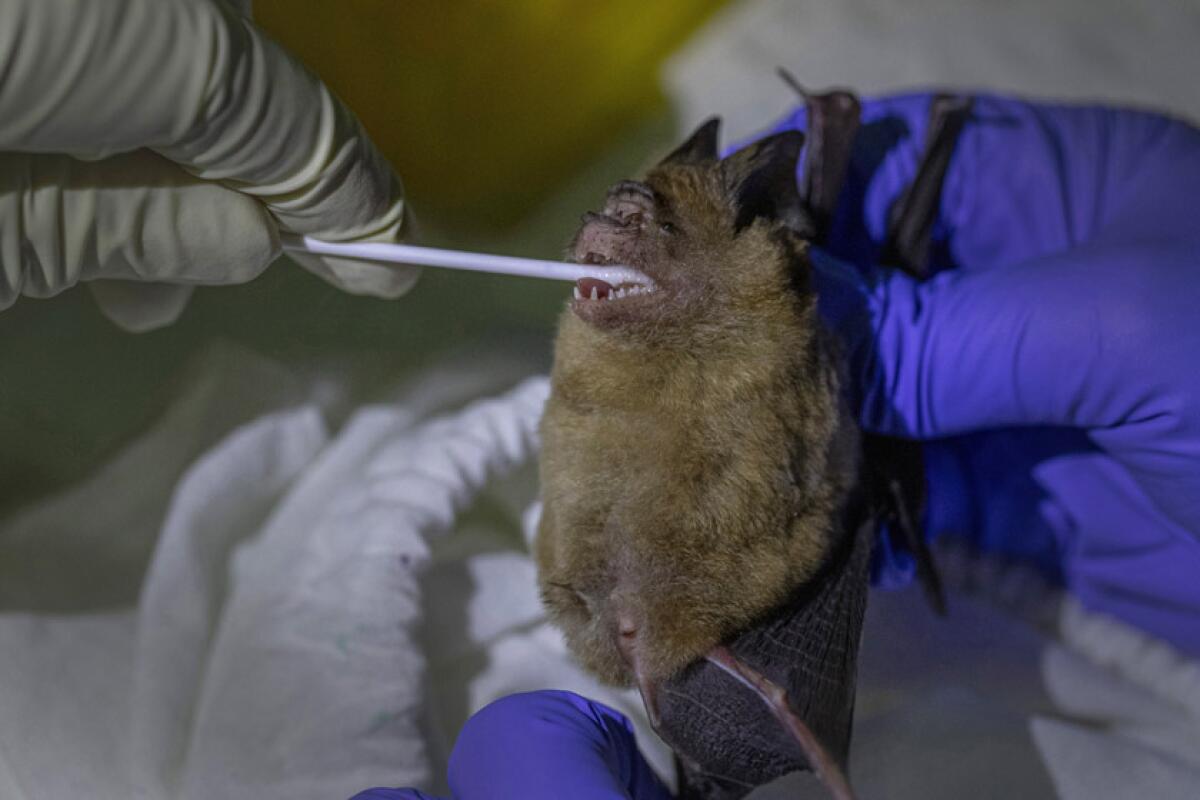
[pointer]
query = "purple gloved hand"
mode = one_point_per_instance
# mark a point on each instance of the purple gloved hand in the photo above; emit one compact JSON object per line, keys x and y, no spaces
{"x":544,"y":746}
{"x":1052,"y":365}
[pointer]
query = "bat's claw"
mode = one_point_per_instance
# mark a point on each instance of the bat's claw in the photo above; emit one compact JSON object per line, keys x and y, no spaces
{"x":627,"y":643}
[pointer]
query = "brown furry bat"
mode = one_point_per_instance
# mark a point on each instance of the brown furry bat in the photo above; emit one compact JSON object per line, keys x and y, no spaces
{"x":703,"y":509}
{"x":695,"y":447}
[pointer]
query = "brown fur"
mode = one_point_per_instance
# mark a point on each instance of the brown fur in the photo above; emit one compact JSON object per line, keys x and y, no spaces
{"x":694,"y":452}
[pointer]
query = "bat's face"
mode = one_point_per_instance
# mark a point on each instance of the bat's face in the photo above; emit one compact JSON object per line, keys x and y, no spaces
{"x":675,"y":228}
{"x":685,"y":227}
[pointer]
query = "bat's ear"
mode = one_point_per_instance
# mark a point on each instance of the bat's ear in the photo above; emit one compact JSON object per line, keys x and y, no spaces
{"x":761,"y":179}
{"x":700,"y":147}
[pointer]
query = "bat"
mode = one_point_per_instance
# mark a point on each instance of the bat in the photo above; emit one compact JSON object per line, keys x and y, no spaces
{"x":709,"y":504}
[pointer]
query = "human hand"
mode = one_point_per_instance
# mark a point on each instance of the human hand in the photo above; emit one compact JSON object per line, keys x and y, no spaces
{"x":162,"y":144}
{"x":544,"y":746}
{"x":1049,"y":364}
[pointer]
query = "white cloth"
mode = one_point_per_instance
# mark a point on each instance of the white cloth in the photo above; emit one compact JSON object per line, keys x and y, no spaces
{"x":273,"y":652}
{"x":323,"y":611}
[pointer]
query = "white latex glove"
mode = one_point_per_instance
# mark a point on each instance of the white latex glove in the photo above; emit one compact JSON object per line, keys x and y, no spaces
{"x":168,"y":142}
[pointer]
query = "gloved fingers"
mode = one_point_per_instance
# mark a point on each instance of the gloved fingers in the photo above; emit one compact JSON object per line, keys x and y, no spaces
{"x":133,"y":217}
{"x":1051,"y":498}
{"x":1096,"y":338}
{"x":1025,"y":179}
{"x":388,"y":281}
{"x":548,"y":745}
{"x":362,"y":277}
{"x":197,"y":82}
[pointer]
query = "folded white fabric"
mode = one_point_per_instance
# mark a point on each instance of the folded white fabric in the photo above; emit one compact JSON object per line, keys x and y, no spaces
{"x":323,"y":611}
{"x":273,"y":653}
{"x":94,"y":705}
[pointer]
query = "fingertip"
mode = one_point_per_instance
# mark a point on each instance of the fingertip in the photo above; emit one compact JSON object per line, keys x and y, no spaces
{"x":386,"y":281}
{"x":383,"y":793}
{"x":140,"y":307}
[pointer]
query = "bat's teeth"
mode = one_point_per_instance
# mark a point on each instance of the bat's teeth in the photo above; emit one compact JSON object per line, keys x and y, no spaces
{"x":595,"y":294}
{"x":578,"y":294}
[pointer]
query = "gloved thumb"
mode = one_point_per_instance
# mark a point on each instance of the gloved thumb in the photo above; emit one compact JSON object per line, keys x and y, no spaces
{"x":1079,"y":339}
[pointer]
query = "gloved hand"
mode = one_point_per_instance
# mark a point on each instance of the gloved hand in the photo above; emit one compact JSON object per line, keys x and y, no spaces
{"x":169,"y":141}
{"x":544,"y":746}
{"x":1051,"y":363}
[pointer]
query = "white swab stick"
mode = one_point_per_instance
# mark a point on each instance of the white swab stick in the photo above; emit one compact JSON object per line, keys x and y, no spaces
{"x":456,"y":259}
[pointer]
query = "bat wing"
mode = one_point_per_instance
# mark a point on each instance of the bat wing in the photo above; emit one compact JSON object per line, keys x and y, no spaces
{"x":910,"y":224}
{"x":727,"y":739}
{"x":894,"y":469}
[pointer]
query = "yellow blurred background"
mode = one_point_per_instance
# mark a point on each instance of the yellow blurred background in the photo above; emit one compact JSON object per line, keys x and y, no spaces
{"x":484,"y":106}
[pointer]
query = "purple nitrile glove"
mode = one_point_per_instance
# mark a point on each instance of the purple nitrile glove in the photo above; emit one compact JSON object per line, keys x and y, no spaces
{"x":1052,"y":363}
{"x":544,"y":746}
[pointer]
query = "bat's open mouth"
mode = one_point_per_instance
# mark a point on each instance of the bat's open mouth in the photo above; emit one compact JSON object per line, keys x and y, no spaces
{"x":616,"y":236}
{"x":598,"y":301}
{"x":594,"y":289}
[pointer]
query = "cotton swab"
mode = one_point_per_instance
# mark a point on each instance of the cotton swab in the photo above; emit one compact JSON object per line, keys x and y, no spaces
{"x":456,"y":259}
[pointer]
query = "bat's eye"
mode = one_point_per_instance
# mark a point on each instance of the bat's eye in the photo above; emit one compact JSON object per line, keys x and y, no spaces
{"x":667,"y":227}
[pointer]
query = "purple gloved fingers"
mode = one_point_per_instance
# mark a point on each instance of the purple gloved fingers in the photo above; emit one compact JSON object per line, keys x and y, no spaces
{"x":1098,"y":339}
{"x":549,"y":745}
{"x":1076,"y":371}
{"x":1049,"y":497}
{"x":544,"y":745}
